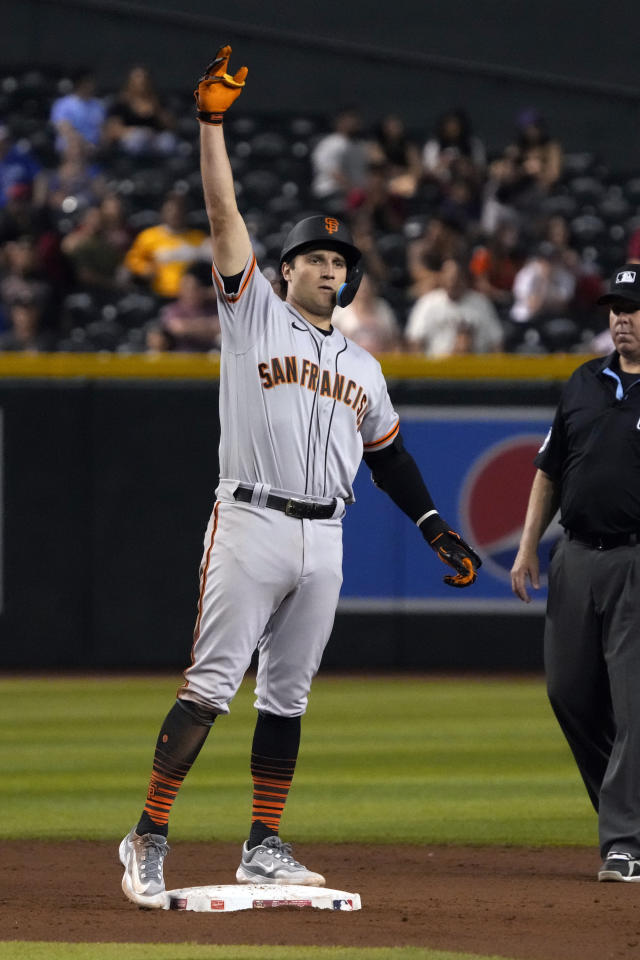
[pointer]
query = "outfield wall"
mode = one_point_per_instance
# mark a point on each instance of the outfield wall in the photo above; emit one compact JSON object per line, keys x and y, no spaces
{"x":109,"y":478}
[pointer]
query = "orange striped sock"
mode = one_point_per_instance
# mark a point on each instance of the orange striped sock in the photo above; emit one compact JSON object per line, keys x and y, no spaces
{"x":274,"y":753}
{"x":166,"y":779}
{"x":272,"y":778}
{"x":179,"y":742}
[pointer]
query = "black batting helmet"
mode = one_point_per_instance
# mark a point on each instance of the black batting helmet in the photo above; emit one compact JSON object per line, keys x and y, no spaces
{"x":326,"y":233}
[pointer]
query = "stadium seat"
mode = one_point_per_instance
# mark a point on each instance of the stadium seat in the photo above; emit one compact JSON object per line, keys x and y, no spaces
{"x":614,"y":207}
{"x":136,"y":309}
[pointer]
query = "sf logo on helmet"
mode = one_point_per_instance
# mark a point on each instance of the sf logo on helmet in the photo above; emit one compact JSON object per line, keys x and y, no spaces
{"x":331,"y":225}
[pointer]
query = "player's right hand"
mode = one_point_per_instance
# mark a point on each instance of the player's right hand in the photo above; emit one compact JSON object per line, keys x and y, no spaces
{"x":525,"y":567}
{"x":217,"y":89}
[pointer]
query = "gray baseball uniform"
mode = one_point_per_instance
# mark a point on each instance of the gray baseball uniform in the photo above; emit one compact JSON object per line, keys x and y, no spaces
{"x":297,"y":409}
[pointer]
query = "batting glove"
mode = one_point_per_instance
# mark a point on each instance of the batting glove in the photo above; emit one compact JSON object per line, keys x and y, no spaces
{"x":217,"y":89}
{"x":452,"y":550}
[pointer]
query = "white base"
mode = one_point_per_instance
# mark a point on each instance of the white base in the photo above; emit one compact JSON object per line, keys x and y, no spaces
{"x":223,"y":898}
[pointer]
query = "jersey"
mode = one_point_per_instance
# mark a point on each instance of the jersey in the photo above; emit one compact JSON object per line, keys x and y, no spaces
{"x":592,"y":451}
{"x":297,"y":407}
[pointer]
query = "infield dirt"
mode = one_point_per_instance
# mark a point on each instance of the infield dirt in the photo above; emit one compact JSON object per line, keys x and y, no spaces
{"x":534,"y":904}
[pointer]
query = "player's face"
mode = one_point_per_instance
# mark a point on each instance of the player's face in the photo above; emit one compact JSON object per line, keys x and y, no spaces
{"x":624,"y":323}
{"x":314,"y":279}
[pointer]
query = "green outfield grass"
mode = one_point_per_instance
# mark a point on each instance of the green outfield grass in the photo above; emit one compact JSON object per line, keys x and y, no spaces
{"x":406,"y":759}
{"x":155,"y":951}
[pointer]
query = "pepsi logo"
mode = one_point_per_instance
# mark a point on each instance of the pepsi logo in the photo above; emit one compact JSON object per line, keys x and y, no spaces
{"x":493,"y":504}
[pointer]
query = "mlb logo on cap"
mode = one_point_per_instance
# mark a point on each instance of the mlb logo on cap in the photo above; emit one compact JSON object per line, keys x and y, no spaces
{"x":624,"y":285}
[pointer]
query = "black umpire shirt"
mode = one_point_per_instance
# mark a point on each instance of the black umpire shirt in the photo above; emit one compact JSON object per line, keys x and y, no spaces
{"x":592,"y":451}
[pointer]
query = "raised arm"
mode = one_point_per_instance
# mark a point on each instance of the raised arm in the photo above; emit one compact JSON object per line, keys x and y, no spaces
{"x":215,"y":93}
{"x":543,"y":503}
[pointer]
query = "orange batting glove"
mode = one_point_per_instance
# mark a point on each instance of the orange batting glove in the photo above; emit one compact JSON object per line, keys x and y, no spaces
{"x":452,"y":550}
{"x":217,"y":89}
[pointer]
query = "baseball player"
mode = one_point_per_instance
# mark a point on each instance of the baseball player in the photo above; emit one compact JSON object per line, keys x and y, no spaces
{"x":299,"y":404}
{"x":589,"y":466}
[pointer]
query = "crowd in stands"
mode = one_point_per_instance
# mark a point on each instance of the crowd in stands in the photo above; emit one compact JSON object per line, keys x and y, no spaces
{"x":104,"y":241}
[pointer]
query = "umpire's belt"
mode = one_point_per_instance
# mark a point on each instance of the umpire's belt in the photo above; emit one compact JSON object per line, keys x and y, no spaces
{"x":300,"y":509}
{"x":607,"y":541}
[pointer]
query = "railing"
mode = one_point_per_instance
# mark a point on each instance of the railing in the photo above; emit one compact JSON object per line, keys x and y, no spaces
{"x":395,"y":366}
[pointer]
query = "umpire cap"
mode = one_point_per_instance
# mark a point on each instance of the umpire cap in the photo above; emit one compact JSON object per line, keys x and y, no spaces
{"x":624,"y":285}
{"x":326,"y":233}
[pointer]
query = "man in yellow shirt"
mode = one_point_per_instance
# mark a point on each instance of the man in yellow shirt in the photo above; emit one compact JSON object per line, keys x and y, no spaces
{"x":161,"y":254}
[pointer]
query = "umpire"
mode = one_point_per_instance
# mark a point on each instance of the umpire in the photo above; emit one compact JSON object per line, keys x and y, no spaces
{"x":589,"y":466}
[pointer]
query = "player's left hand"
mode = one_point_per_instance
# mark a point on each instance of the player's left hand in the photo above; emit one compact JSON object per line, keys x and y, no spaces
{"x":452,"y":550}
{"x":217,"y":89}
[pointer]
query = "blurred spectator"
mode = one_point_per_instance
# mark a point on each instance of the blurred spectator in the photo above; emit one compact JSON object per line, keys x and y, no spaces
{"x":633,"y":246}
{"x":452,"y":140}
{"x":543,"y":290}
{"x":339,"y":162}
{"x":538,"y":156}
{"x":454,"y":319}
{"x":501,"y":193}
{"x":79,"y":112}
{"x":20,"y":218}
{"x":18,"y":166}
{"x":424,"y":269}
{"x":386,"y":210}
{"x":23,"y":279}
{"x":160,"y":255}
{"x":557,"y":232}
{"x":443,"y":239}
{"x":494,"y":265}
{"x":589,"y":284}
{"x":460,"y":202}
{"x":364,"y":237}
{"x":157,"y":339}
{"x":393,"y":150}
{"x":114,"y":222}
{"x":369,"y":320}
{"x":95,"y":258}
{"x":137,"y":122}
{"x":25,"y":328}
{"x":77,"y":182}
{"x":191,"y":321}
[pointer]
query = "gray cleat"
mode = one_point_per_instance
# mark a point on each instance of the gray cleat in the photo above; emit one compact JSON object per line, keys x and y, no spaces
{"x":620,"y":866}
{"x":142,"y":859}
{"x":272,"y":861}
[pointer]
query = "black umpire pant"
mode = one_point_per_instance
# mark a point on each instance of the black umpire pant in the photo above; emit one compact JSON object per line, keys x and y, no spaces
{"x":592,"y":662}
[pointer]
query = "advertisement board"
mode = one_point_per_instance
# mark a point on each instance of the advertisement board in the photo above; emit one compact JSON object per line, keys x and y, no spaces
{"x":478,"y":465}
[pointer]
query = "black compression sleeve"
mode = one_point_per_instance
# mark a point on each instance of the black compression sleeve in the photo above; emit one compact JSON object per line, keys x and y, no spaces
{"x":395,"y":471}
{"x":231,"y":284}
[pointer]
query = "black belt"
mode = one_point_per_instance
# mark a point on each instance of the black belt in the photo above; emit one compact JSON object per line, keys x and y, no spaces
{"x":607,"y":541}
{"x":300,"y":509}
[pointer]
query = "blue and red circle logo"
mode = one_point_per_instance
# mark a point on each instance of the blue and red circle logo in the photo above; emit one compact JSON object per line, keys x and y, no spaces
{"x":493,"y":503}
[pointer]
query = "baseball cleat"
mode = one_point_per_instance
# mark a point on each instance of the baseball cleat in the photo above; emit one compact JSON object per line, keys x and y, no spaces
{"x":272,"y":861}
{"x":142,"y":859}
{"x":620,"y":866}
